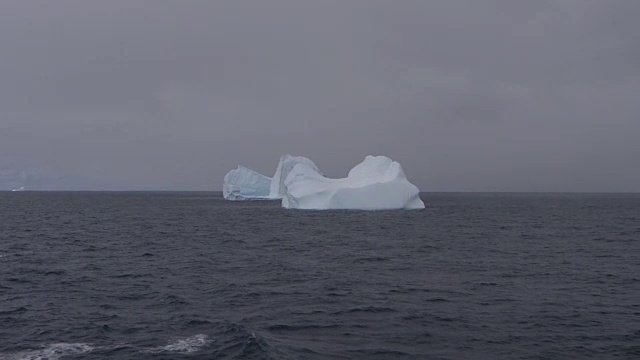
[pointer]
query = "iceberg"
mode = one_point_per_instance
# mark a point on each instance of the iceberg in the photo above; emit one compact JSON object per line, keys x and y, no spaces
{"x":245,"y":184}
{"x":377,"y":183}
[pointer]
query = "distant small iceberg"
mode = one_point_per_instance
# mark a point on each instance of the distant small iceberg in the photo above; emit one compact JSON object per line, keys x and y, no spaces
{"x":19,"y":189}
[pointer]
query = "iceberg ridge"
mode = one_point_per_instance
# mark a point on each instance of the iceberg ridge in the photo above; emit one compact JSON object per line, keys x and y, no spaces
{"x":285,"y":166}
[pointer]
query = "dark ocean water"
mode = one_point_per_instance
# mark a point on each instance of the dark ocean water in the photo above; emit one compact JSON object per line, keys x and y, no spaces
{"x":189,"y":275}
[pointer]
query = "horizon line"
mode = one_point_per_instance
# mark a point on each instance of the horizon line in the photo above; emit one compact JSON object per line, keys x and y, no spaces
{"x":421,"y":192}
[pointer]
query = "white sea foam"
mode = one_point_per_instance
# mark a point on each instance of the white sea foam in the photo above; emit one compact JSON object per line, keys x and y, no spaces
{"x":50,"y":352}
{"x":59,"y":351}
{"x":187,"y":345}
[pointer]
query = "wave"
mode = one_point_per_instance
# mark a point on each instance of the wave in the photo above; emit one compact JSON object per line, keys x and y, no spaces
{"x":50,"y":352}
{"x":238,"y":342}
{"x":230,"y":341}
{"x":284,"y":327}
{"x":185,"y":346}
{"x":366,"y":309}
{"x":15,"y":311}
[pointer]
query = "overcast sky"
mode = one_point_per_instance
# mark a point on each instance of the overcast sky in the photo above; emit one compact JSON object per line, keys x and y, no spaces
{"x":469,"y":95}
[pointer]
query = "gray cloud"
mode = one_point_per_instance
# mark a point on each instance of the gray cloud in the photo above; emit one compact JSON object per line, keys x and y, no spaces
{"x":466,"y":94}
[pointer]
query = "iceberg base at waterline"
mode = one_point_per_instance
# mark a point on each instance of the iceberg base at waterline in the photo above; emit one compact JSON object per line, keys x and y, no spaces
{"x":377,"y":183}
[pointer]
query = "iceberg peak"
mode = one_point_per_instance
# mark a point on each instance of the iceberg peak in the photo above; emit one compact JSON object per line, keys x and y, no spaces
{"x":286,"y":164}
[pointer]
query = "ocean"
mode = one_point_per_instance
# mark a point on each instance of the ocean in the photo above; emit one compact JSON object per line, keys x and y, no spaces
{"x":192,"y":276}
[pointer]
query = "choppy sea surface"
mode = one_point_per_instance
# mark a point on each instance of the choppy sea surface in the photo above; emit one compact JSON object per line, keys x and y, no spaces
{"x":192,"y":276}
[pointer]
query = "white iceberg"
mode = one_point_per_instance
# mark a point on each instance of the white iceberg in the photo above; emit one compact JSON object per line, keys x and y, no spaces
{"x":245,"y":184}
{"x":377,"y":183}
